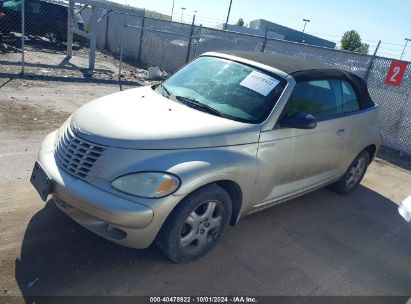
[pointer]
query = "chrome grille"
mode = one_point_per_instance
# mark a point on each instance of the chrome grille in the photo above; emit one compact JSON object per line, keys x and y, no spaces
{"x":76,"y":155}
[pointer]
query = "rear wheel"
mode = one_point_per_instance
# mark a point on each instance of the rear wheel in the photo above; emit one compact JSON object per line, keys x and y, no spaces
{"x":354,"y":174}
{"x":196,"y":225}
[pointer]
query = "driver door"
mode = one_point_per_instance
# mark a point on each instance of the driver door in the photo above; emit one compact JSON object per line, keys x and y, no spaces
{"x":292,"y":160}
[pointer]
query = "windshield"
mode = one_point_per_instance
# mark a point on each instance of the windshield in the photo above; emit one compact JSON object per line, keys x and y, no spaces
{"x":232,"y":90}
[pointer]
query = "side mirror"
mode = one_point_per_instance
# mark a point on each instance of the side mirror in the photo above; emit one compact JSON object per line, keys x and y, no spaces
{"x":299,"y":120}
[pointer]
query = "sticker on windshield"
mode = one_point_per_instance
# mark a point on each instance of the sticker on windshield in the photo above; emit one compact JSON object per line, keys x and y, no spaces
{"x":259,"y":82}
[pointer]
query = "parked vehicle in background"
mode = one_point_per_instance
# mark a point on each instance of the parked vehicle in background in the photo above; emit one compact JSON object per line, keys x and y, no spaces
{"x":42,"y":18}
{"x":229,"y":134}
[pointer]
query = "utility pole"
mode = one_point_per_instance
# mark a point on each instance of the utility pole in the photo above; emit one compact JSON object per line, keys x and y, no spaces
{"x":172,"y":11}
{"x":305,"y":23}
{"x":182,"y":14}
{"x":195,"y":13}
{"x":405,"y":46}
{"x":228,"y":15}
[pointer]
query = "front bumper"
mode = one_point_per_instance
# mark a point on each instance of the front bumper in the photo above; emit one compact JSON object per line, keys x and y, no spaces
{"x":122,"y":221}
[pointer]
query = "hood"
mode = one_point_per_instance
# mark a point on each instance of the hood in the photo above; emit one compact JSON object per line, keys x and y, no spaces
{"x":143,"y":119}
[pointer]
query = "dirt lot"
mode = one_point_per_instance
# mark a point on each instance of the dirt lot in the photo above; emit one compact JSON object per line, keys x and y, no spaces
{"x":319,"y":244}
{"x":48,"y":60}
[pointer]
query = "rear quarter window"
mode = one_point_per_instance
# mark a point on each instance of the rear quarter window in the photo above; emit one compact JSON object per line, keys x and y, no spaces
{"x":350,"y":101}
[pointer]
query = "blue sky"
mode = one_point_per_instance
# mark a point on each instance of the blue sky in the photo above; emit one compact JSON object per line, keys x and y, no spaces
{"x":387,"y":20}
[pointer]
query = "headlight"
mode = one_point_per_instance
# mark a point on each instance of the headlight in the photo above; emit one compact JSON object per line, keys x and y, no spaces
{"x":147,"y":184}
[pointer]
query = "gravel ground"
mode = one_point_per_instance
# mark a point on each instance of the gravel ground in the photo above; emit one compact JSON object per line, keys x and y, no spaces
{"x":47,"y":61}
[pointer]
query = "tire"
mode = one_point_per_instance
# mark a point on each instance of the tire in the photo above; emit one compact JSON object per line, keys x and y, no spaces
{"x":54,"y":37}
{"x":196,"y":225}
{"x":354,"y":174}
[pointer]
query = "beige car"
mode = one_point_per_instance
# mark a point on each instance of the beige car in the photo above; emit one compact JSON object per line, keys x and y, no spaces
{"x":229,"y":134}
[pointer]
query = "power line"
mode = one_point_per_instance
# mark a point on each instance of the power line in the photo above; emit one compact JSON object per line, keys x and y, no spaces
{"x":393,"y":43}
{"x":390,"y":49}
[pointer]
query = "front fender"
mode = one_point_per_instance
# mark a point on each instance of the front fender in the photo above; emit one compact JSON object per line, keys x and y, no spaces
{"x":218,"y":165}
{"x":194,"y":167}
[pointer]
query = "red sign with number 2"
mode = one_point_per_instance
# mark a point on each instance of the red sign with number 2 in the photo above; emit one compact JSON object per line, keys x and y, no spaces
{"x":396,"y":73}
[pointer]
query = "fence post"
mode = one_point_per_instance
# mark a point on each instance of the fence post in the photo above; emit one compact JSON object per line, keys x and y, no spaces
{"x":120,"y":64}
{"x":23,"y":32}
{"x":367,"y":73}
{"x":141,"y":38}
{"x":70,"y":29}
{"x":106,"y":32}
{"x":190,"y":39}
{"x":265,"y":39}
{"x":198,"y":39}
{"x":93,"y":40}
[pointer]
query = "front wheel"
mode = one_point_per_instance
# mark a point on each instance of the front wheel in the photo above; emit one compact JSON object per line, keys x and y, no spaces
{"x":196,"y":225}
{"x":354,"y":174}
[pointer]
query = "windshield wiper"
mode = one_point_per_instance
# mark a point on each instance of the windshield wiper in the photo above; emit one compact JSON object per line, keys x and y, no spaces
{"x":196,"y":103}
{"x":163,"y":87}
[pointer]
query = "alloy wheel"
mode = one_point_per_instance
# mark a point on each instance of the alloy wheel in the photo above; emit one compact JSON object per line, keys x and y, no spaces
{"x":356,"y":172}
{"x":201,"y":226}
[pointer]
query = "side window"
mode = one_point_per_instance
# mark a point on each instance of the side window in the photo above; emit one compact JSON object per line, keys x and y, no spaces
{"x":349,"y":98}
{"x":320,"y":98}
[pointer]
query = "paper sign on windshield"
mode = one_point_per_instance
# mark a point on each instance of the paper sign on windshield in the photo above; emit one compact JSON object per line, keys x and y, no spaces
{"x":259,"y":82}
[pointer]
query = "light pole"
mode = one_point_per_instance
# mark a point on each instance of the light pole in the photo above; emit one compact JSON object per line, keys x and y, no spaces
{"x":228,"y":15}
{"x":405,"y":46}
{"x":182,"y":14}
{"x":172,"y":11}
{"x":305,"y":23}
{"x":195,"y":13}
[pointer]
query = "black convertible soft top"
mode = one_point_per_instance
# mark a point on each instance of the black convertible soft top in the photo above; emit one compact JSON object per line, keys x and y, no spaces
{"x":308,"y":70}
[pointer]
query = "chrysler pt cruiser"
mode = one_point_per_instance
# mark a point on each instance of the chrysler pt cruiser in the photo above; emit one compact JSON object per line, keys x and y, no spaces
{"x":227,"y":135}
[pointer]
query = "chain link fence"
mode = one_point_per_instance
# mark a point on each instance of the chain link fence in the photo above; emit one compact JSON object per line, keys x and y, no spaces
{"x":166,"y":44}
{"x":144,"y":41}
{"x":10,"y":36}
{"x":33,"y":41}
{"x":395,"y":106}
{"x":45,"y":32}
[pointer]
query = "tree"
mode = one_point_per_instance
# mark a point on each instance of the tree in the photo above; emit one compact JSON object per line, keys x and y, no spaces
{"x":363,"y":48}
{"x":351,"y":41}
{"x":240,"y":22}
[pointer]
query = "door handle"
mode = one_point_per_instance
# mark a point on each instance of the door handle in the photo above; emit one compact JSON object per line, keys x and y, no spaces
{"x":340,"y":131}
